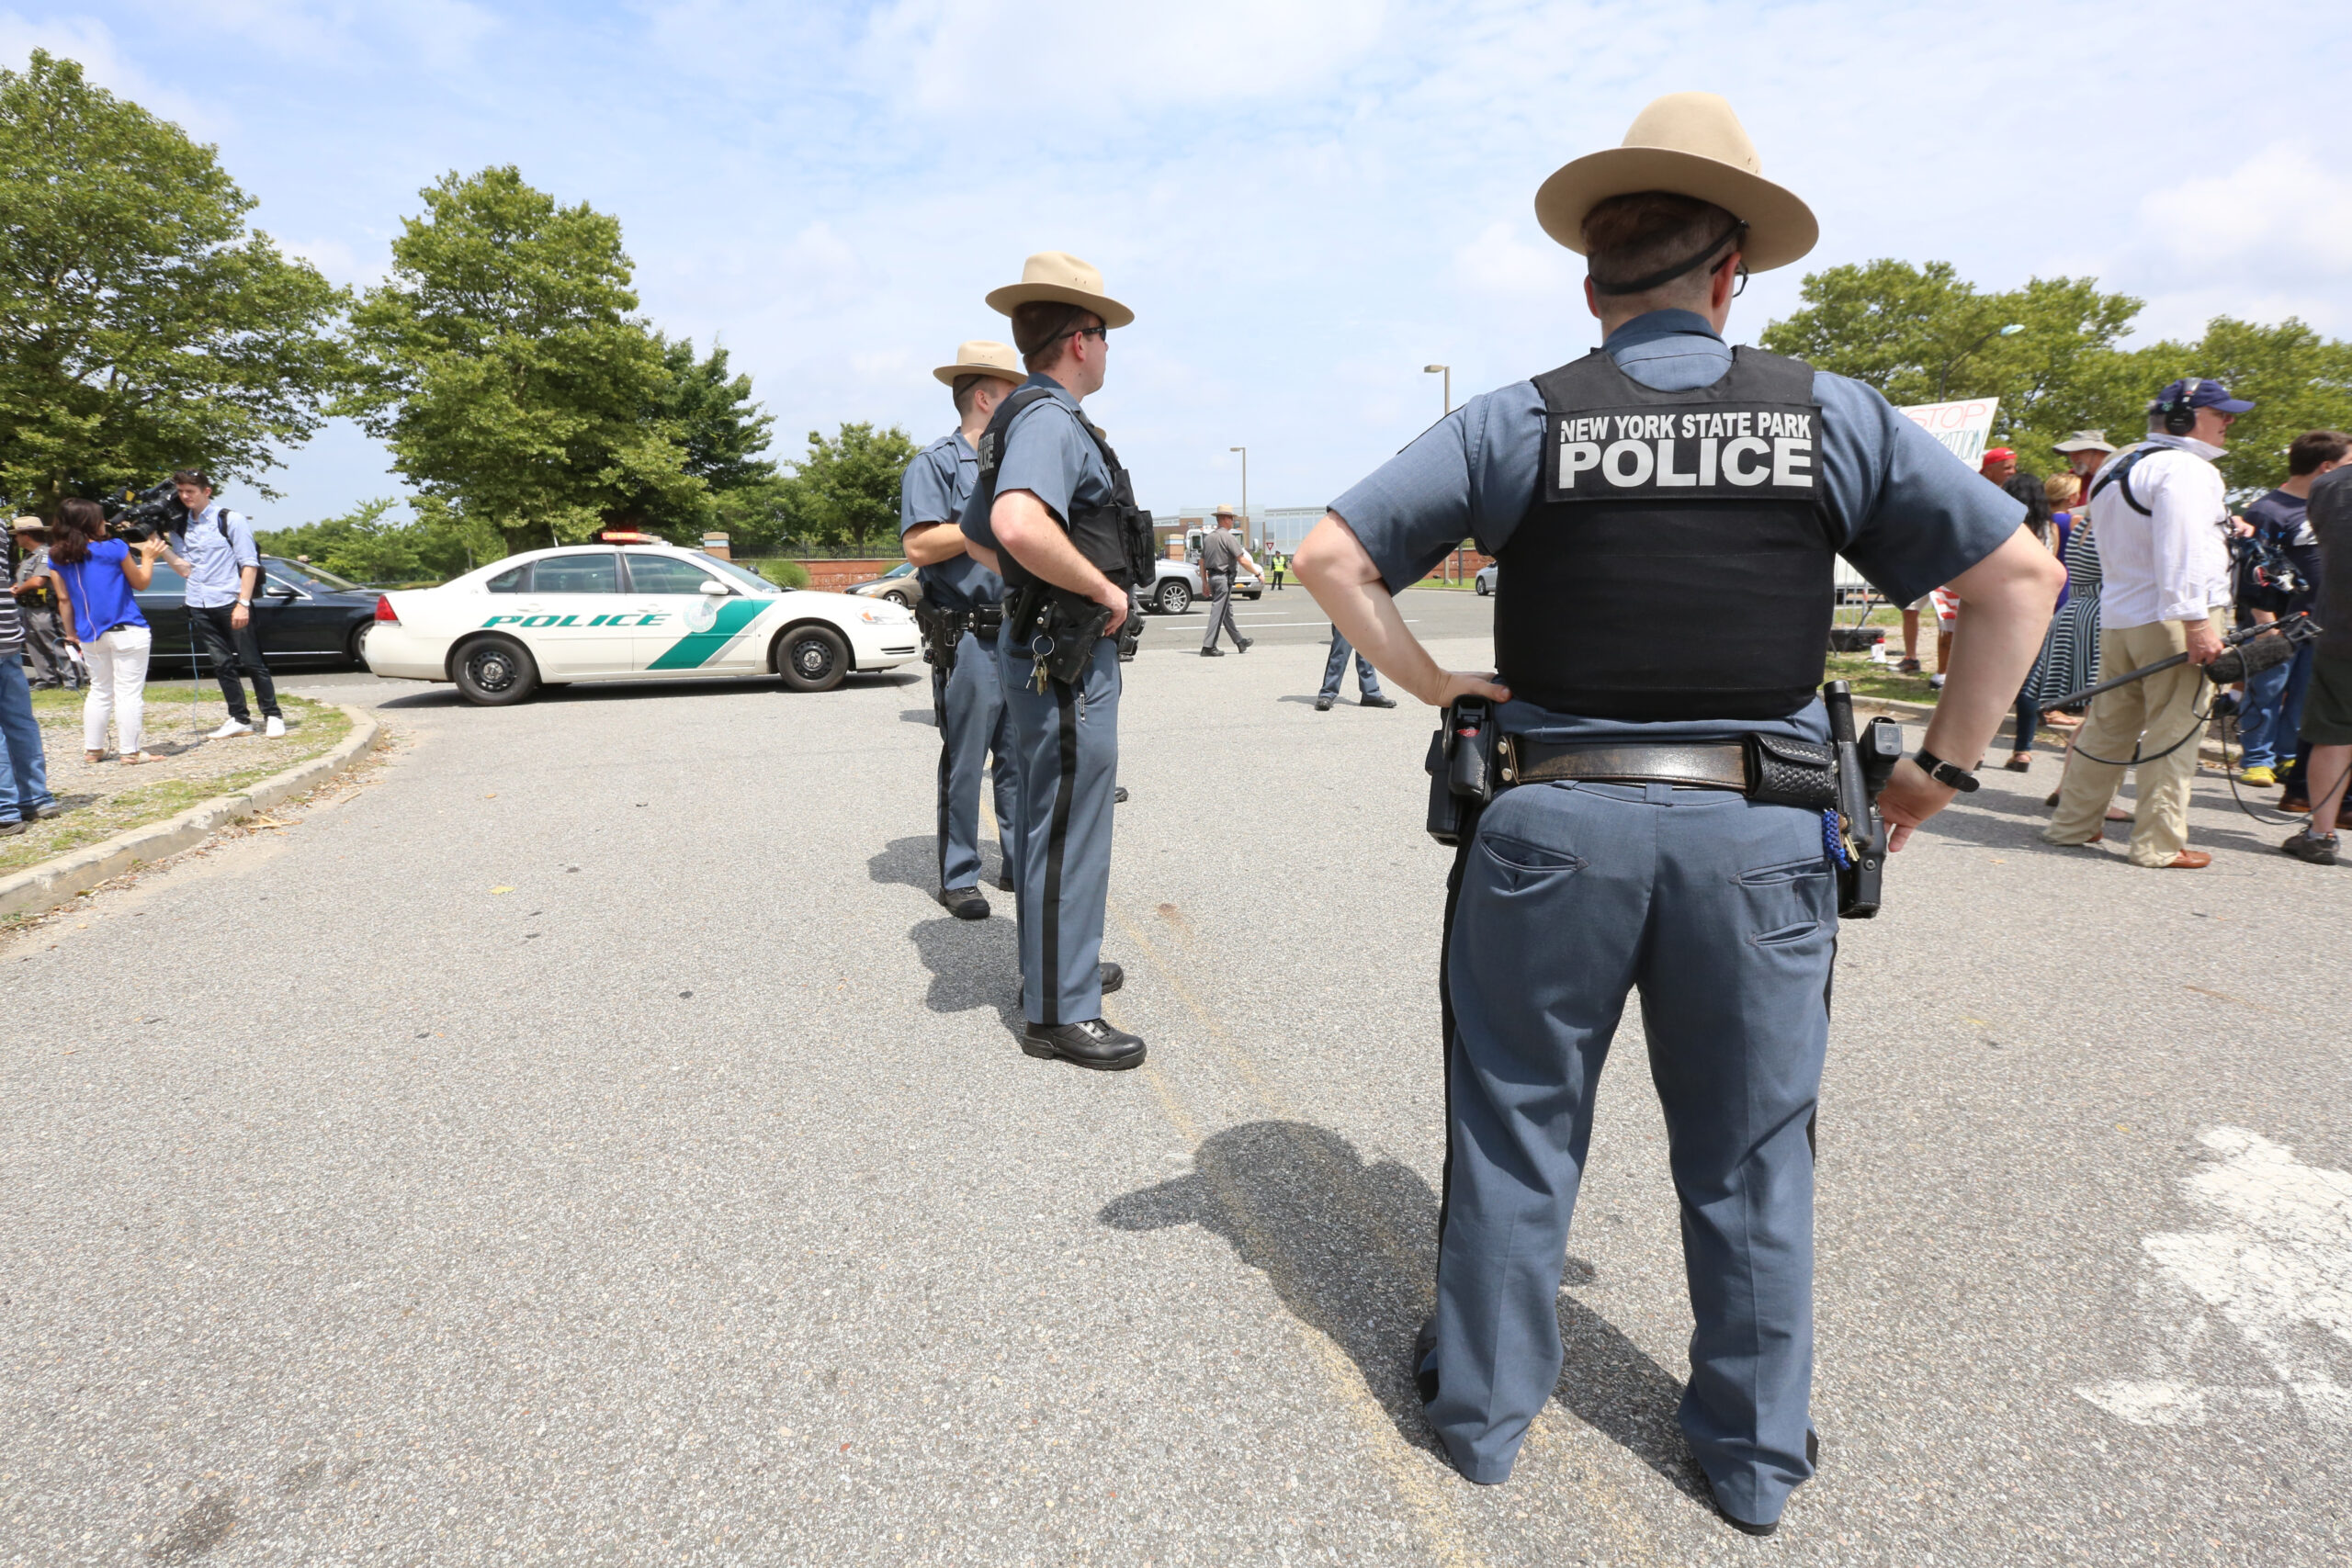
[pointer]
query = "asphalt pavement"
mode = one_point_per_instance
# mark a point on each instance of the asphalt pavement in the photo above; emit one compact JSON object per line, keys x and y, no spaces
{"x":582,"y":1139}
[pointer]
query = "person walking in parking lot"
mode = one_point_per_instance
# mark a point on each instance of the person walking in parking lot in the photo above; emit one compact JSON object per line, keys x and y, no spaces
{"x":962,"y":609}
{"x":1368,"y":691}
{"x":1221,"y":551}
{"x":214,"y":550}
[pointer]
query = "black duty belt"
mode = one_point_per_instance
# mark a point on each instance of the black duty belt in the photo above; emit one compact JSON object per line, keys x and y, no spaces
{"x":984,"y":622}
{"x":1767,"y":768}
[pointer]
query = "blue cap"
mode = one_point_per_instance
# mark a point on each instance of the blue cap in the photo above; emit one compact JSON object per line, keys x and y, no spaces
{"x":2199,"y":394}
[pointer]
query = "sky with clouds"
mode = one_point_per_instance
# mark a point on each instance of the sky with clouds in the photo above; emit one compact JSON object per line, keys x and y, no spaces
{"x":1303,"y":200}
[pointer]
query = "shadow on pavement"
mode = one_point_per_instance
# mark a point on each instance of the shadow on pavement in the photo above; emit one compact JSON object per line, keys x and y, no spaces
{"x":973,"y":963}
{"x":918,"y":716}
{"x":1350,"y":1250}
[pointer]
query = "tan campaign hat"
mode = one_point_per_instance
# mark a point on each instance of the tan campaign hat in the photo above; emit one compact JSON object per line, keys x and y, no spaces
{"x":1225,"y":509}
{"x":2084,"y":440}
{"x":983,"y":358}
{"x":27,"y":525}
{"x":1689,"y":144}
{"x":1058,"y":275}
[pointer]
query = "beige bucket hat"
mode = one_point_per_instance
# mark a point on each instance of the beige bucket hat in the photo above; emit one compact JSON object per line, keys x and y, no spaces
{"x":980,"y":356}
{"x":1058,"y":275}
{"x":2084,"y":440}
{"x":1689,"y":144}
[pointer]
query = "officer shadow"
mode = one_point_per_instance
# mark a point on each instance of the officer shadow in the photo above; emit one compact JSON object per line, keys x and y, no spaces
{"x":973,"y":963}
{"x":1350,"y":1250}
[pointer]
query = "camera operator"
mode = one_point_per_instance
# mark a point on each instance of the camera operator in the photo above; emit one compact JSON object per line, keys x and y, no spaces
{"x":214,"y":550}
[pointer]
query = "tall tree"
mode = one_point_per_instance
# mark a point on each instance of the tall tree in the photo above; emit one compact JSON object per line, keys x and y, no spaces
{"x":142,"y":325}
{"x":363,"y":545}
{"x":1923,"y":334}
{"x":2297,"y":379}
{"x":507,"y":371}
{"x":846,"y":488}
{"x":722,"y":432}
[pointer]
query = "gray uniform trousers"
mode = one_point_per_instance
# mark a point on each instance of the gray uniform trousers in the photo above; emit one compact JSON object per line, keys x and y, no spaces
{"x":1067,"y":742}
{"x":1367,"y":681}
{"x":1220,"y":587}
{"x":45,"y":643}
{"x":973,"y":725}
{"x":1723,"y":915}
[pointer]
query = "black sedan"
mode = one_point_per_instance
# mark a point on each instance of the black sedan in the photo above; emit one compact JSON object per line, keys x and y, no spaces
{"x":307,"y":617}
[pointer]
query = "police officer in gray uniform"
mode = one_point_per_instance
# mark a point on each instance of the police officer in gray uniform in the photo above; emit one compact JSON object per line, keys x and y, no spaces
{"x":1670,"y":510}
{"x":1055,"y":514}
{"x":963,"y":604}
{"x":1221,"y":555}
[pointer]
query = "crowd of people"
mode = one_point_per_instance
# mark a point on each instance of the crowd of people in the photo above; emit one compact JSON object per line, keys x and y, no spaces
{"x":2180,"y":572}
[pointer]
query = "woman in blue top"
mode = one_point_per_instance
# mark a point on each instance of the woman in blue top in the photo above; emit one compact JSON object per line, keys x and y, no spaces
{"x":95,"y":578}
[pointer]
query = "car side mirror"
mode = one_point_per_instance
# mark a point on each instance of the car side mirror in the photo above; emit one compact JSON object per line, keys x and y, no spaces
{"x":716,"y":589}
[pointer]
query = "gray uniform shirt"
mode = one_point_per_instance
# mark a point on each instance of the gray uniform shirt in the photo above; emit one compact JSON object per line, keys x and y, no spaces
{"x":1220,"y":551}
{"x":934,"y":490}
{"x":1047,"y":453}
{"x":1911,"y":515}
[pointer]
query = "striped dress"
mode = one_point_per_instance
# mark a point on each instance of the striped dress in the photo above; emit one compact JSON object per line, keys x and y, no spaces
{"x":2069,"y":659}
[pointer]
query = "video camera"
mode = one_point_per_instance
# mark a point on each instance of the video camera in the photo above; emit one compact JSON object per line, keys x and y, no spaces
{"x":142,"y":514}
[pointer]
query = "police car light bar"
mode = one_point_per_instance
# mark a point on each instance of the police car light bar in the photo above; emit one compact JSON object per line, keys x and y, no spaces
{"x":627,"y":536}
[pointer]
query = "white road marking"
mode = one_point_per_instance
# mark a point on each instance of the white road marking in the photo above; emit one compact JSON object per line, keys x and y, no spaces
{"x":2277,"y":1267}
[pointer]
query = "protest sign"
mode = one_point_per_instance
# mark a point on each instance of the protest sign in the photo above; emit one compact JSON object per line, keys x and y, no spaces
{"x":1963,"y":426}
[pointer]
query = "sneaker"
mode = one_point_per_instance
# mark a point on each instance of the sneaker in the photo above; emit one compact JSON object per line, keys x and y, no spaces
{"x":2259,"y":778}
{"x":274,"y":727}
{"x":1908,"y":667}
{"x":9,"y":829}
{"x":1937,"y":682}
{"x":231,"y":730}
{"x":2317,"y":852}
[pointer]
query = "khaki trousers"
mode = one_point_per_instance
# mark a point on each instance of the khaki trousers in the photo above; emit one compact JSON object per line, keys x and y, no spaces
{"x":2151,"y":714}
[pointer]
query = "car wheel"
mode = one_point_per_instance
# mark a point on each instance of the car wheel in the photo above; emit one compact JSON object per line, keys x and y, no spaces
{"x":1174,"y":597}
{"x":898,"y":596}
{"x":811,"y":658}
{"x":1480,"y":584}
{"x":491,"y":672}
{"x":358,"y":644}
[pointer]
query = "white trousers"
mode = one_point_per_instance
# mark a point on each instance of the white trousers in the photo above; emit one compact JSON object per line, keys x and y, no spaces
{"x":117,"y":688}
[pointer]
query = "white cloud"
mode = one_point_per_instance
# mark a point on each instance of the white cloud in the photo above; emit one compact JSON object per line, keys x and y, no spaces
{"x":1502,"y":262}
{"x":954,"y":54}
{"x":2283,"y":205}
{"x":89,"y":44}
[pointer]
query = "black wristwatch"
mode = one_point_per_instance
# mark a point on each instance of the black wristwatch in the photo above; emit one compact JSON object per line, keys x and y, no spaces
{"x":1948,"y":774}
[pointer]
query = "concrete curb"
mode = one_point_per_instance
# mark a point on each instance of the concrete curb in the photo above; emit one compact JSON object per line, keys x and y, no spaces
{"x":51,"y":883}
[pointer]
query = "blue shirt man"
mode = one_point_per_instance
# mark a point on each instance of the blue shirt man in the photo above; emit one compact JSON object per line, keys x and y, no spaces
{"x":215,"y":552}
{"x":1048,"y":493}
{"x":1622,"y":854}
{"x":961,"y":601}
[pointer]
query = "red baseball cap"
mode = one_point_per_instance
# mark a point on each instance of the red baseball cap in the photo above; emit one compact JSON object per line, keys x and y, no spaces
{"x":1997,"y":455}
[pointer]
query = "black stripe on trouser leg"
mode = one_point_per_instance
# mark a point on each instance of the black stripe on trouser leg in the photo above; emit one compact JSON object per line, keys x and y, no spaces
{"x":1445,"y":1007}
{"x":946,"y":750}
{"x":1049,"y":918}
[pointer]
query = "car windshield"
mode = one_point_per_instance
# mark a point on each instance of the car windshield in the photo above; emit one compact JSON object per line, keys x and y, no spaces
{"x":901,"y":569}
{"x":743,"y":575}
{"x":303,"y":571}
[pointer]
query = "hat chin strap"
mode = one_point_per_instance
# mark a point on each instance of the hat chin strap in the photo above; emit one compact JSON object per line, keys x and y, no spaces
{"x":1666,"y":274}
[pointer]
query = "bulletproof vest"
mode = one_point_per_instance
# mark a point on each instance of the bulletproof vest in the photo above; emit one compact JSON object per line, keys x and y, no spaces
{"x":1114,"y":536}
{"x":1678,"y":562}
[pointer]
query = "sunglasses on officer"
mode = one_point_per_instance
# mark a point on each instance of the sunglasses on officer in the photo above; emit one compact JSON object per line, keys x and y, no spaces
{"x":1102,"y":333}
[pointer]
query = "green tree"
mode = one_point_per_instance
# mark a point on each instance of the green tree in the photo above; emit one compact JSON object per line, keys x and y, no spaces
{"x":1923,"y":334}
{"x":142,"y":326}
{"x":722,"y":431}
{"x":847,"y":490}
{"x":2297,"y":380}
{"x":508,"y":373}
{"x":361,"y":545}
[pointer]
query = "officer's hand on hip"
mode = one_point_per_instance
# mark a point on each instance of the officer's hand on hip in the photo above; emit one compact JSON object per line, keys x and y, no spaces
{"x":1910,"y":798}
{"x":1459,"y":685}
{"x":1113,"y":598}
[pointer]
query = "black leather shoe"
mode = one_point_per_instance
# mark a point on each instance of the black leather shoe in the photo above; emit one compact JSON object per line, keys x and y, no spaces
{"x":1119,"y":796}
{"x":1110,"y":977}
{"x":964,"y":903}
{"x":1241,"y":644}
{"x":1323,"y":705}
{"x":1212,"y":653}
{"x":1004,"y":880}
{"x":1745,"y":1527}
{"x":1425,"y":1341}
{"x":1093,"y":1043}
{"x":1378,"y":700}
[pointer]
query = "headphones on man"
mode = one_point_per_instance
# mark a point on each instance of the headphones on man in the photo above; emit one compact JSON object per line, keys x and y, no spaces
{"x":2180,"y":413}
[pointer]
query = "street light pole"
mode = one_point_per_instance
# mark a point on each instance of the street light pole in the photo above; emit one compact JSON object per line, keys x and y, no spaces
{"x":1245,"y":487}
{"x":1447,"y":371}
{"x":1944,"y":377}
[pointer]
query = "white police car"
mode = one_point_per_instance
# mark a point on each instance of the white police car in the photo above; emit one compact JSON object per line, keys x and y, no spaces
{"x":627,"y":607}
